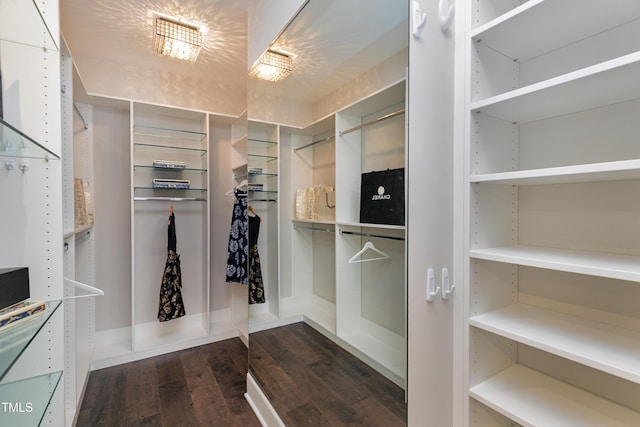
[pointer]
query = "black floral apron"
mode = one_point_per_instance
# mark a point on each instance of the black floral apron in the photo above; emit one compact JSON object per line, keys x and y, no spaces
{"x":256,"y":286}
{"x":238,"y":249}
{"x":171,"y":305}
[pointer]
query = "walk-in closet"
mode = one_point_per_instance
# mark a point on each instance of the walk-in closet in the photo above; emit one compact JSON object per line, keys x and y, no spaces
{"x":320,"y":212}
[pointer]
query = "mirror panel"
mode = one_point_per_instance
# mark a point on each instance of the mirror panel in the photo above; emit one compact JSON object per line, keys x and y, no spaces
{"x":331,"y":334}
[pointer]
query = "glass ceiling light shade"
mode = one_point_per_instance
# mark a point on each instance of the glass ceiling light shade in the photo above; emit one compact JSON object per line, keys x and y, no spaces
{"x":272,"y":66}
{"x":176,"y":39}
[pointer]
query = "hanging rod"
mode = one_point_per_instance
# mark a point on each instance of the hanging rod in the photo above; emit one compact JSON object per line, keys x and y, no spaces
{"x":379,"y":119}
{"x":314,"y":143}
{"x":355,"y":233}
{"x":170,"y":199}
{"x":263,"y":200}
{"x":86,"y":124}
{"x":306,"y":227}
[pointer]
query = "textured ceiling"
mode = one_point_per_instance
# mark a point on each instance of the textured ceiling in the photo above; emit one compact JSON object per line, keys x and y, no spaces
{"x":331,"y":41}
{"x":111,"y":43}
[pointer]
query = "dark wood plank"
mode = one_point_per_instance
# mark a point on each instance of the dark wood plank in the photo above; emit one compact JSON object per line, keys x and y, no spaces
{"x":208,"y":400}
{"x":142,"y":402}
{"x":103,"y":397}
{"x":176,"y":405}
{"x":176,"y":389}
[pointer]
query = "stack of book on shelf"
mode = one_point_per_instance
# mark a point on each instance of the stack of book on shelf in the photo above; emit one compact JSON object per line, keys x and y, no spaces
{"x":180,"y":184}
{"x":169,"y":164}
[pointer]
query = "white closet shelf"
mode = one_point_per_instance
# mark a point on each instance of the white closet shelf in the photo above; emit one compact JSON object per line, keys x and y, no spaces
{"x":240,"y":142}
{"x":78,"y":231}
{"x":534,"y":399}
{"x":153,"y":336}
{"x":622,"y":267}
{"x":369,"y":225}
{"x":379,"y":351}
{"x":538,"y":26}
{"x":592,"y":172}
{"x":312,"y":221}
{"x":321,"y":315}
{"x":239,"y":168}
{"x":599,"y":85}
{"x":604,"y":347}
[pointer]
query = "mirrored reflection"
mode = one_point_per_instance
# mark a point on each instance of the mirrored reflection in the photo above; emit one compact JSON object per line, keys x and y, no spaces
{"x":327,"y":282}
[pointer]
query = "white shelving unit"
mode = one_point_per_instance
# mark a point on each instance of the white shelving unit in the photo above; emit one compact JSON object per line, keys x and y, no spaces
{"x":160,"y":133}
{"x":551,"y":191}
{"x":32,"y":353}
{"x":128,"y":136}
{"x":79,"y":243}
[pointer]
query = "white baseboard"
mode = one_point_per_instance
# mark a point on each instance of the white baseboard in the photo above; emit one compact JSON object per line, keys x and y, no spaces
{"x":260,"y":404}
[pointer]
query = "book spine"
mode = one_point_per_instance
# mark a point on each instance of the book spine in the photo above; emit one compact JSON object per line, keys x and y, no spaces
{"x":23,"y":314}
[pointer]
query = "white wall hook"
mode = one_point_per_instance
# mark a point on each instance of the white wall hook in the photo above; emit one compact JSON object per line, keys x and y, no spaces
{"x":419,"y":19}
{"x":432,"y":290}
{"x":445,"y":14}
{"x":447,"y":288}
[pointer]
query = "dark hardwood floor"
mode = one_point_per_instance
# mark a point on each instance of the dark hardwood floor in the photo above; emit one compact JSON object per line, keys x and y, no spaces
{"x":311,"y":381}
{"x":201,"y":386}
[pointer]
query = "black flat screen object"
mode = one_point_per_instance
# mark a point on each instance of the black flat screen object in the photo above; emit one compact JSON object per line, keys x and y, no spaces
{"x":14,"y":286}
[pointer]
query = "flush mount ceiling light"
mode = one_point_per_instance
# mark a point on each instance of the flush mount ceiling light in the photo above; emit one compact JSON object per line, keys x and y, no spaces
{"x":176,"y":39}
{"x":272,"y":66}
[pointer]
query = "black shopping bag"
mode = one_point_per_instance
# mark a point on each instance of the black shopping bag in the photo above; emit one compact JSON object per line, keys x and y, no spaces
{"x":382,"y":197}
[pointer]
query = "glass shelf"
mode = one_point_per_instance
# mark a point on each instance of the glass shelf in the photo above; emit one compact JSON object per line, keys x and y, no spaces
{"x":14,"y":143}
{"x":29,"y":399}
{"x":262,"y":195}
{"x":268,"y":175}
{"x":169,"y":194}
{"x":201,"y":190}
{"x":141,"y":146}
{"x":262,"y":157}
{"x":21,"y":22}
{"x":263,"y":191}
{"x":171,"y":170}
{"x":16,"y":339}
{"x":261,"y":142}
{"x":168,"y":133}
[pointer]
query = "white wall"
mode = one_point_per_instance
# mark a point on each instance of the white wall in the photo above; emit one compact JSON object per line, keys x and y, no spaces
{"x":111,"y":202}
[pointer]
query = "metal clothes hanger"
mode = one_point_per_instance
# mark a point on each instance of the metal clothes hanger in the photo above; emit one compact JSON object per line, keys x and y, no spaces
{"x":367,"y":246}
